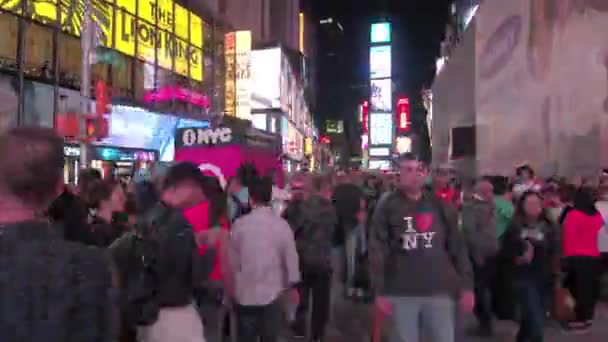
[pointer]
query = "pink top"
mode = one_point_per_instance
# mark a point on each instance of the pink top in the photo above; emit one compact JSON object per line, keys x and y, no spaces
{"x":580,"y":232}
{"x":198,"y":217}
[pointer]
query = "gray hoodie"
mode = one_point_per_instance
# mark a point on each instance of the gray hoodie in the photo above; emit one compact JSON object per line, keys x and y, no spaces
{"x":415,"y":248}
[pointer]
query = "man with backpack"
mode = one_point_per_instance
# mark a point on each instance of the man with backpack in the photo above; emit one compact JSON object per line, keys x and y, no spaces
{"x":160,"y":266}
{"x":419,"y":260}
{"x":313,"y":219}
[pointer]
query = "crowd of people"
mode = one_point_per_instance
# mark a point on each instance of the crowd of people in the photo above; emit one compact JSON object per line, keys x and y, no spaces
{"x":183,"y":258}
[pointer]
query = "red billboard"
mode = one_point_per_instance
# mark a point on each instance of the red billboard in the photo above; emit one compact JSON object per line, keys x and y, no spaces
{"x":403,"y":114}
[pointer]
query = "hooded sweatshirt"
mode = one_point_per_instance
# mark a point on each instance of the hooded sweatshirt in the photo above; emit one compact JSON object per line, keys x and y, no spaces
{"x":416,"y":249}
{"x":479,"y":222}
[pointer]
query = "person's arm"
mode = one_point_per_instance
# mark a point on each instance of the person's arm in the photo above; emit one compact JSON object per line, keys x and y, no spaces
{"x":290,"y":257}
{"x":378,"y":244}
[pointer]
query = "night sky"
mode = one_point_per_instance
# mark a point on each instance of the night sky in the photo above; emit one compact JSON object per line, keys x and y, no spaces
{"x":418,"y":28}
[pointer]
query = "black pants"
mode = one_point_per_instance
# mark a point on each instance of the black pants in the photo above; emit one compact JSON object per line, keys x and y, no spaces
{"x":484,"y":276}
{"x":264,"y":322}
{"x":318,"y":286}
{"x":582,"y":279}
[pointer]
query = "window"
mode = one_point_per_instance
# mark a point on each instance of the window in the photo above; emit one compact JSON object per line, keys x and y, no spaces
{"x":38,"y":51}
{"x":70,"y":61}
{"x":8,"y":43}
{"x":121,"y":77}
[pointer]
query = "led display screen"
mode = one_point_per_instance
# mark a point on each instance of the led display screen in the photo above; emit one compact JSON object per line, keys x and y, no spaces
{"x":382,"y":99}
{"x":380,"y":61}
{"x":381,"y":33}
{"x":381,"y":128}
{"x":266,"y":75}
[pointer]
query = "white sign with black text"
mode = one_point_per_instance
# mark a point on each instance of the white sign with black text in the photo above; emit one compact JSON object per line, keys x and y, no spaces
{"x":206,"y":136}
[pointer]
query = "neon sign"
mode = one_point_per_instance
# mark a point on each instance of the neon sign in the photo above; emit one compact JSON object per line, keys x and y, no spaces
{"x":177,"y":93}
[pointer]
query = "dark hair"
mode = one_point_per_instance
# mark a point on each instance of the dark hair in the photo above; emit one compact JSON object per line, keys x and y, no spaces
{"x":502,"y":185}
{"x":86,"y":177}
{"x":218,"y":202}
{"x":520,"y":170}
{"x":181,"y":173}
{"x":31,"y":166}
{"x":520,"y":216}
{"x":583,"y":200}
{"x":566,"y":192}
{"x":260,"y":190}
{"x":98,"y":191}
{"x":247,"y":174}
{"x":146,"y":196}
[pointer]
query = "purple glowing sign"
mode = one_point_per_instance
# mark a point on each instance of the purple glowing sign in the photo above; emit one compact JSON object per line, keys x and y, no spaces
{"x":177,"y":93}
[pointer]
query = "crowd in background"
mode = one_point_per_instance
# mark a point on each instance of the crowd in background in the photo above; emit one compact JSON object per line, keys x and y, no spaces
{"x":181,"y":258}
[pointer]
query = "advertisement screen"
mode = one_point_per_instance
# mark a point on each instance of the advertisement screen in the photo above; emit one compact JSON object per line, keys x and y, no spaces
{"x":243,"y":75}
{"x":382,"y":99}
{"x":381,"y":128}
{"x":381,"y":33}
{"x":137,"y":128}
{"x":259,"y":121}
{"x":266,"y":75}
{"x":380,"y":61}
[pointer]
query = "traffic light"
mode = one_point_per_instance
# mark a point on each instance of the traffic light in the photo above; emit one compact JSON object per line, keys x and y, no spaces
{"x":403,"y":115}
{"x":102,"y":99}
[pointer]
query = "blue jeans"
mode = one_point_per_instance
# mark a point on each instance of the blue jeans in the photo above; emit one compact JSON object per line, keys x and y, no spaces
{"x":434,"y":315}
{"x":530,"y":296}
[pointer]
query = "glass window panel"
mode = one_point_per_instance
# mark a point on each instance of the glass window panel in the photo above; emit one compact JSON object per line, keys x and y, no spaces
{"x":43,"y":11}
{"x":38,"y":50}
{"x":196,"y":31}
{"x":127,"y":5}
{"x":11,"y":6}
{"x":8,"y":44}
{"x":70,"y":59}
{"x":121,"y":78}
{"x":124,"y":36}
{"x":164,"y":14}
{"x":196,"y":64}
{"x":181,"y":22}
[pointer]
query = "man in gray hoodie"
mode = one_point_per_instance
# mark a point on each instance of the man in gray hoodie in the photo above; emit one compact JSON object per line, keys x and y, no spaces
{"x":479,"y":223}
{"x":419,"y":259}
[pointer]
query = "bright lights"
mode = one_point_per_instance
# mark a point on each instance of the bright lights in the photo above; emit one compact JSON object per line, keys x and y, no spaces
{"x":381,"y":33}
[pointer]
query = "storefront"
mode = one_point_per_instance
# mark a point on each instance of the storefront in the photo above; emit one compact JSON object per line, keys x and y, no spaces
{"x":122,"y":163}
{"x":222,"y":150}
{"x":157,"y":54}
{"x":71,"y":155}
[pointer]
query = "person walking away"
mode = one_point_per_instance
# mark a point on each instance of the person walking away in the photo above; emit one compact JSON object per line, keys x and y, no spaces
{"x":419,"y":260}
{"x":479,"y":222}
{"x":526,"y":180}
{"x":263,"y":257}
{"x":582,"y":258}
{"x":440,"y":183}
{"x":356,"y":252}
{"x":160,"y":267}
{"x":532,"y":246}
{"x":346,"y":200}
{"x":105,"y":201}
{"x":50,"y":289}
{"x":312,"y":219}
{"x":502,"y":291}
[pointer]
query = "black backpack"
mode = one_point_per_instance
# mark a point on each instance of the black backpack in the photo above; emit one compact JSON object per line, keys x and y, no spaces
{"x":241,"y":208}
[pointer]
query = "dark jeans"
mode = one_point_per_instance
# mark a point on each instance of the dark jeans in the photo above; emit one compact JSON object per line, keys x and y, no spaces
{"x":484,"y":276}
{"x":315,"y":289}
{"x":530,"y":295}
{"x":582,"y":279}
{"x":264,"y":322}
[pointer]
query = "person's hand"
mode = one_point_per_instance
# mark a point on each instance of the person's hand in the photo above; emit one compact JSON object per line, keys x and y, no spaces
{"x":528,"y":255}
{"x":467,"y":301}
{"x":384,"y":305}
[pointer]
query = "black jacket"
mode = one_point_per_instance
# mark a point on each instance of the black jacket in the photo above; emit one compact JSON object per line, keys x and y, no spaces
{"x":52,"y":290}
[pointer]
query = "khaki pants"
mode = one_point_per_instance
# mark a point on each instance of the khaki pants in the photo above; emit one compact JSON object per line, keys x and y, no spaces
{"x":178,"y":324}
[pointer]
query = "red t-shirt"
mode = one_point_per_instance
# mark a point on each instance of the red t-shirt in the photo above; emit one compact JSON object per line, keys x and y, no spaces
{"x":198,"y":217}
{"x":580,"y":233}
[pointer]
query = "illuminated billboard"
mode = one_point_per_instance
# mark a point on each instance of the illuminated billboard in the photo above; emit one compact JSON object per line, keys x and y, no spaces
{"x":166,"y":31}
{"x":266,"y":77}
{"x":243,"y":75}
{"x":381,"y":128}
{"x":381,"y":33}
{"x":380,"y":61}
{"x":381,"y":97}
{"x":230,"y":74}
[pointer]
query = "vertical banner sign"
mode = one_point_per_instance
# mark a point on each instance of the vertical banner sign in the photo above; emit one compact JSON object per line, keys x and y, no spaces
{"x":243,"y":75}
{"x":403,"y":114}
{"x":230,"y":61}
